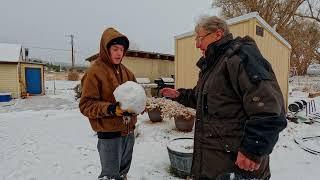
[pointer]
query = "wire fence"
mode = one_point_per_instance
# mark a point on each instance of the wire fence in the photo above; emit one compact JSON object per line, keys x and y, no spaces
{"x":305,"y":83}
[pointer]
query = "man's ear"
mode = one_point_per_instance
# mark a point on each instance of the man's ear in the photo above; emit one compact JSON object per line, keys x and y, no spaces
{"x":219,"y":34}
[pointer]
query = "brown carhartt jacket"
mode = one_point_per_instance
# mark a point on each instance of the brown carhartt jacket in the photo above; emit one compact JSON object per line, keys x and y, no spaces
{"x":98,"y":85}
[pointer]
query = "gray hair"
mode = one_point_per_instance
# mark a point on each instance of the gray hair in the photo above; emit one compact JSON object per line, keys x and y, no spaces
{"x":212,"y":24}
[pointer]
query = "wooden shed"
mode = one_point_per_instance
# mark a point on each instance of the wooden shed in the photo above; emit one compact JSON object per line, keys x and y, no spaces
{"x":273,"y":47}
{"x":17,"y":75}
{"x":146,"y":64}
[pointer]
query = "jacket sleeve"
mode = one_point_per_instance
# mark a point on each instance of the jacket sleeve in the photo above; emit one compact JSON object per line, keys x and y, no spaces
{"x":90,"y":103}
{"x":264,"y":106}
{"x":187,"y":97}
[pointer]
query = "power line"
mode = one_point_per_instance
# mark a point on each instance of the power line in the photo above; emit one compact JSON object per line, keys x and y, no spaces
{"x":56,"y":49}
{"x":47,"y":48}
{"x":81,"y":53}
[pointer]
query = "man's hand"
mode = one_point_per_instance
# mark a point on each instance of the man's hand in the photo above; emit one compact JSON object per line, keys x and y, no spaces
{"x":115,"y":110}
{"x":144,"y":111}
{"x":245,"y":163}
{"x":169,"y":92}
{"x":126,"y":113}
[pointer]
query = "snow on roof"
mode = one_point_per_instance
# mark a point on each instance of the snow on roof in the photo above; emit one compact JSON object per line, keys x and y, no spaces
{"x":242,"y":18}
{"x":143,"y":80}
{"x":10,"y":52}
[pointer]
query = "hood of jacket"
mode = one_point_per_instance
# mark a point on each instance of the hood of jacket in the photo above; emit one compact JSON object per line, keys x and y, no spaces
{"x":108,"y":35}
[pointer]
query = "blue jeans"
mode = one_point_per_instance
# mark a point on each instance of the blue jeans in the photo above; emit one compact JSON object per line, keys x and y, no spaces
{"x":115,"y":156}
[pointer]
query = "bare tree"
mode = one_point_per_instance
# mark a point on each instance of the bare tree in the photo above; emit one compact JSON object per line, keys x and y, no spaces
{"x":296,"y":20}
{"x":304,"y":45}
{"x":277,"y":13}
{"x":311,"y":10}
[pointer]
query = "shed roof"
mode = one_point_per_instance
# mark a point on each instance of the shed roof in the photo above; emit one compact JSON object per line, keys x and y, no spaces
{"x":10,"y":52}
{"x":243,"y":18}
{"x":141,"y":54}
{"x":22,"y":62}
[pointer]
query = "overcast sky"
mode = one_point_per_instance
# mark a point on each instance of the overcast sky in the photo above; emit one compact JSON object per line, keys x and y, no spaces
{"x":150,"y":24}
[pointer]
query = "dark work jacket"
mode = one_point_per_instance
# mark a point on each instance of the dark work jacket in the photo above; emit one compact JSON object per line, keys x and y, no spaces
{"x":239,"y":107}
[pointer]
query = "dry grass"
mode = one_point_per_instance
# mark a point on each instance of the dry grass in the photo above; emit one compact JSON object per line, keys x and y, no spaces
{"x":73,"y":76}
{"x":50,"y":76}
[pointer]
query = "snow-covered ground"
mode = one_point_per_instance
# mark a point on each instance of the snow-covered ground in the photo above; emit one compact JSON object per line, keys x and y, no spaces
{"x":47,"y":138}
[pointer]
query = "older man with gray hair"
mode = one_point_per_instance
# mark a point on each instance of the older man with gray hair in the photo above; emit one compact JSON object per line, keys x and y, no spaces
{"x":240,"y":107}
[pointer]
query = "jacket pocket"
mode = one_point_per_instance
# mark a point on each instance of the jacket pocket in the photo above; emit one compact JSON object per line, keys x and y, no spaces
{"x":221,"y":105}
{"x":221,"y":138}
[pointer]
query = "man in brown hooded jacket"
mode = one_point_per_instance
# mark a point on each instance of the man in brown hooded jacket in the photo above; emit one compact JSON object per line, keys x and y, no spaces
{"x":115,"y":135}
{"x":239,"y":104}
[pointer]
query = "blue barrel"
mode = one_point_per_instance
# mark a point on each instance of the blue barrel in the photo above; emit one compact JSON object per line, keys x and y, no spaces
{"x":5,"y":97}
{"x":180,"y":153}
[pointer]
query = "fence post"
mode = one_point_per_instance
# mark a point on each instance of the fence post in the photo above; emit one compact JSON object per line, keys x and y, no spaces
{"x":54,"y":86}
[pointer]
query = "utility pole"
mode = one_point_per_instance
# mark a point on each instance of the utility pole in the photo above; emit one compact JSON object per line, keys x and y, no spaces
{"x":72,"y":52}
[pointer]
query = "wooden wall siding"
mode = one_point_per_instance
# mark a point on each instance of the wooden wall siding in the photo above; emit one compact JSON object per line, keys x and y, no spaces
{"x":9,"y":79}
{"x":241,"y":29}
{"x":186,"y":57}
{"x":150,"y":68}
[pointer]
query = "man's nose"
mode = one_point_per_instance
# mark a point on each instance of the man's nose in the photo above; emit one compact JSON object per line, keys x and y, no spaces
{"x":198,"y":44}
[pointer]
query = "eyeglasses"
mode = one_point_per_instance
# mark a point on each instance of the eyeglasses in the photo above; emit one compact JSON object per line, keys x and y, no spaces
{"x":200,"y":38}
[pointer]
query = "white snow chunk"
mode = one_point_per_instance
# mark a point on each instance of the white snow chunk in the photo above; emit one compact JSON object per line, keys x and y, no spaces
{"x":182,"y":145}
{"x":131,"y":96}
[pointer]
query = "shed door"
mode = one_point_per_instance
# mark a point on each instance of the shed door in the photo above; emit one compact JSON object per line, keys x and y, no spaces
{"x":33,"y":80}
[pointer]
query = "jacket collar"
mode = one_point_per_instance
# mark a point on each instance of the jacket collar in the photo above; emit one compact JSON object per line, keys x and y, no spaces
{"x":214,"y":51}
